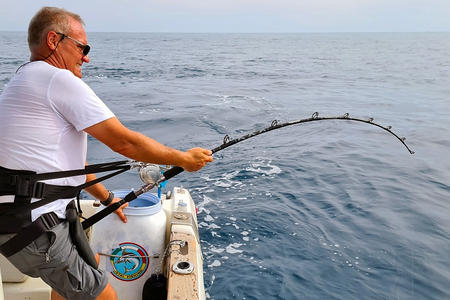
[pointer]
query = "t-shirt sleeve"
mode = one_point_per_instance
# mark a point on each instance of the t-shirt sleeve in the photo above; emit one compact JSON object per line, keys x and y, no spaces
{"x":76,"y":102}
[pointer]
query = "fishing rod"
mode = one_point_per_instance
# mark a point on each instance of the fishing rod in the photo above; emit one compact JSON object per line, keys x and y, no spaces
{"x":227,"y":141}
{"x":151,"y":175}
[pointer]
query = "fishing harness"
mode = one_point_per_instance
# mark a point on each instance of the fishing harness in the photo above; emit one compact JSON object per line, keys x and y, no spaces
{"x":15,"y":217}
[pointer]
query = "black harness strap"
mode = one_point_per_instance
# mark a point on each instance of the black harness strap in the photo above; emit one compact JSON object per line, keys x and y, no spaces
{"x":29,"y":233}
{"x":62,"y":192}
{"x":16,"y":217}
{"x":26,"y":185}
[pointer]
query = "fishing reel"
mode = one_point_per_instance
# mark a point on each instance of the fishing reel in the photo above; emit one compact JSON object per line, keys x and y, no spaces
{"x":150,"y":173}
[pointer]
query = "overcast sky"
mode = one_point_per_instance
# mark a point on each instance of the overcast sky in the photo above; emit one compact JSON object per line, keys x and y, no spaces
{"x":241,"y":15}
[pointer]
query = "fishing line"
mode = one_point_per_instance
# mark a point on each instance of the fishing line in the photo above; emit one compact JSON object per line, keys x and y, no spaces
{"x":152,"y":180}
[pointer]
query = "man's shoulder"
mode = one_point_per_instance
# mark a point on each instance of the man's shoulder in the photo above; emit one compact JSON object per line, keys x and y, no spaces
{"x":42,"y":67}
{"x":65,"y":79}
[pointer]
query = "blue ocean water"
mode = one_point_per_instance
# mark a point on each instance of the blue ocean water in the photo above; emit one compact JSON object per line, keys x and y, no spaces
{"x":326,"y":210}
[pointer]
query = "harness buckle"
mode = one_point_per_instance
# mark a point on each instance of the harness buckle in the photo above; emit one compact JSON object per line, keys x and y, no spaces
{"x":49,"y":220}
{"x":38,"y":189}
{"x":25,"y":187}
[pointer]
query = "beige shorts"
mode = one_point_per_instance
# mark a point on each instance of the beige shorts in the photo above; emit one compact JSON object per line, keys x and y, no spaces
{"x":54,"y":258}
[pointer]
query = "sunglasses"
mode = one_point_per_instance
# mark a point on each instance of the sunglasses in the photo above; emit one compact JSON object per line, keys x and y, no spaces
{"x":84,"y":47}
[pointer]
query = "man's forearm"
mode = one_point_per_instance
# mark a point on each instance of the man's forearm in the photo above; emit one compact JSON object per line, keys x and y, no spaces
{"x":142,"y":148}
{"x":137,"y":146}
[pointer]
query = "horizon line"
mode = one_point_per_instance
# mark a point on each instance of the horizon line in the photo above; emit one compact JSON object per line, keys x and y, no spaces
{"x":256,"y":32}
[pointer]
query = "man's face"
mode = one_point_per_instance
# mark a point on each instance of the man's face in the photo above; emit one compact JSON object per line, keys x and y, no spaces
{"x":70,"y":52}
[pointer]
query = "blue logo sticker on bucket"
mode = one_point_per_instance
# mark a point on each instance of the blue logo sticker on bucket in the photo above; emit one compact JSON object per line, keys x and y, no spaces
{"x":129,"y":261}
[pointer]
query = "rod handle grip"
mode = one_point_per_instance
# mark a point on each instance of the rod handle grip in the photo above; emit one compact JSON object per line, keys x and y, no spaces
{"x":172,"y":172}
{"x":107,"y":210}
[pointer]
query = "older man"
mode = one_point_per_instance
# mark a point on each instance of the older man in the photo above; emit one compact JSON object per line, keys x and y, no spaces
{"x":45,"y":112}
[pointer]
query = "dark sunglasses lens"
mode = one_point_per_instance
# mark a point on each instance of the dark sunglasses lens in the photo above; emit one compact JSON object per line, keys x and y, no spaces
{"x":86,"y":49}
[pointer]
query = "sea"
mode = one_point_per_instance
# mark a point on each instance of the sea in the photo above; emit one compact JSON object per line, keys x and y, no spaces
{"x":322,"y":210}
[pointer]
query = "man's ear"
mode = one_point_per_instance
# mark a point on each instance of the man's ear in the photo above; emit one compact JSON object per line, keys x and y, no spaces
{"x":52,"y":40}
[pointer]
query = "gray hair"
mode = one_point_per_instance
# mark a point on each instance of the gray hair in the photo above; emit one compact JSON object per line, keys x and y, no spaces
{"x":48,"y":19}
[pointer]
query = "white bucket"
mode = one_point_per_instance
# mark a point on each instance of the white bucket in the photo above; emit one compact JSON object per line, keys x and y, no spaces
{"x":131,"y":252}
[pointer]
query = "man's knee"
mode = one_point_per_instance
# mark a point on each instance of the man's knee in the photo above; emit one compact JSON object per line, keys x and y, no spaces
{"x":108,"y":293}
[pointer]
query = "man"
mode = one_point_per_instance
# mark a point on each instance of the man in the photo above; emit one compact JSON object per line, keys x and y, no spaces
{"x":45,"y":112}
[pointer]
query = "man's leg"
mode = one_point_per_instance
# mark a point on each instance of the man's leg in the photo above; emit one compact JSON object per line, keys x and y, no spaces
{"x":107,"y":294}
{"x":54,"y":258}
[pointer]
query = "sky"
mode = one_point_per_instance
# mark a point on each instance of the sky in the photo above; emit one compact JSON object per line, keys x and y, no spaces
{"x":241,"y":15}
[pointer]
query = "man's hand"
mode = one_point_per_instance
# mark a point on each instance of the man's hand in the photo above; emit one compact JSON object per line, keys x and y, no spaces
{"x":196,"y":159}
{"x":119,"y":211}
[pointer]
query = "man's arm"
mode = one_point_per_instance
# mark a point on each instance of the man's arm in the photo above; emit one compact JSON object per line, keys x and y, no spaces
{"x":142,"y":148}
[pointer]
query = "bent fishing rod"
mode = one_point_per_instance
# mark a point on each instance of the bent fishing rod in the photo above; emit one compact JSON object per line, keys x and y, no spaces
{"x":152,"y":176}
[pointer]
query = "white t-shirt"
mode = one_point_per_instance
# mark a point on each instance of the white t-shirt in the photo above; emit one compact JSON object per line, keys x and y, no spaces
{"x":43,"y":112}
